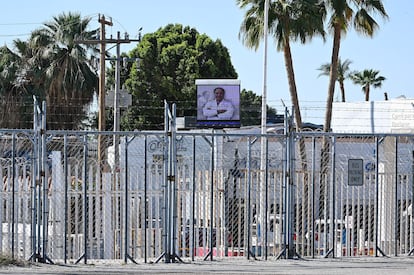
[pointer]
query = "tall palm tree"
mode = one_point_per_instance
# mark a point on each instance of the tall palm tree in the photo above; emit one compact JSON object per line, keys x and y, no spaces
{"x":288,"y":21}
{"x":343,"y":13}
{"x":67,"y":77}
{"x":342,"y":73}
{"x":366,"y":79}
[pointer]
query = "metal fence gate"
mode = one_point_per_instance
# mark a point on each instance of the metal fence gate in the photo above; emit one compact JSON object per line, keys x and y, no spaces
{"x":172,"y":195}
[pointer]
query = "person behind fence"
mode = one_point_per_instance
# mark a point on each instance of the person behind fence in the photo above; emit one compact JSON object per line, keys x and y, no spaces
{"x":218,"y":108}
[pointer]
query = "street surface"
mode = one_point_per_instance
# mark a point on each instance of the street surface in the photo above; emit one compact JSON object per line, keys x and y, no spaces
{"x":365,"y":265}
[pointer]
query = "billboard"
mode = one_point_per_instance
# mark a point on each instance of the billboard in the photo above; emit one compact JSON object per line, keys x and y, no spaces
{"x":218,"y":103}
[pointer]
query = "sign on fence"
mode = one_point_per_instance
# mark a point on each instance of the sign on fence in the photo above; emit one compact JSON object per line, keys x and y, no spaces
{"x":355,"y":172}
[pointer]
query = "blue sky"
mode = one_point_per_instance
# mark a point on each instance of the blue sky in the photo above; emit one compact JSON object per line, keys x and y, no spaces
{"x":390,"y":51}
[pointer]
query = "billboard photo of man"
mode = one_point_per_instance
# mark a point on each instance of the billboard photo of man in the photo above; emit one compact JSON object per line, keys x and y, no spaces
{"x":218,"y":103}
{"x":218,"y":108}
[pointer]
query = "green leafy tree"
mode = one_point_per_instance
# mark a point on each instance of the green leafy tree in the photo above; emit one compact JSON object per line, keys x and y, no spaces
{"x":64,"y":75}
{"x":342,"y":73}
{"x":366,"y":79}
{"x":250,"y":108}
{"x":171,"y":59}
{"x":342,"y":14}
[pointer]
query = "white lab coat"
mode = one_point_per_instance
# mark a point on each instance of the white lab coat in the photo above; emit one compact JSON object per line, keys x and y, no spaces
{"x":211,"y":107}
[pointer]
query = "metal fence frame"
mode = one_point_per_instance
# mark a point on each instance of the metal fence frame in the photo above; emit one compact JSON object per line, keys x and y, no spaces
{"x":199,"y":194}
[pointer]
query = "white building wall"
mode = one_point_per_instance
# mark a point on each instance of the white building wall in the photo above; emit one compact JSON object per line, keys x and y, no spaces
{"x":392,"y":116}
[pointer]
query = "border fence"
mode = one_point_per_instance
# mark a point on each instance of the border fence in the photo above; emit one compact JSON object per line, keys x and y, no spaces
{"x":172,"y":195}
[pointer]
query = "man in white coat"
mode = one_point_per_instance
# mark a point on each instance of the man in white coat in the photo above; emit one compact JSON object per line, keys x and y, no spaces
{"x":218,"y":108}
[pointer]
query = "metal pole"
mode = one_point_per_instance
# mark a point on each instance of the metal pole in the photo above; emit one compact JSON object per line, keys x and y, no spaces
{"x":13,"y":223}
{"x":213,"y":145}
{"x":289,"y":192}
{"x":126,"y":221}
{"x":312,"y":231}
{"x":35,"y":180}
{"x":266,"y":179}
{"x":126,"y":231}
{"x":412,"y":206}
{"x":39,"y":193}
{"x":192,"y":238}
{"x":65,"y":174}
{"x":84,"y":201}
{"x":166,"y":193}
{"x":261,"y":221}
{"x":45,"y":181}
{"x":376,"y":195}
{"x":285,"y":175}
{"x":333,"y":222}
{"x":145,"y":197}
{"x":396,"y":197}
{"x":249,"y":149}
{"x":174,"y":183}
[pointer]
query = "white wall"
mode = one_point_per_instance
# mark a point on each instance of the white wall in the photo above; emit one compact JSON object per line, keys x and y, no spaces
{"x":392,"y":116}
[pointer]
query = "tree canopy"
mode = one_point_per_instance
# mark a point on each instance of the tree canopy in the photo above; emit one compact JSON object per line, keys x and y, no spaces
{"x":366,"y":79}
{"x":53,"y":67}
{"x":171,"y":59}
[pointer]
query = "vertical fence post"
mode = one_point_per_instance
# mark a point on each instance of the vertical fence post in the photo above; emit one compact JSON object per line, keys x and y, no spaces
{"x":213,"y":147}
{"x":312,"y":231}
{"x":85,"y":199}
{"x":411,"y":211}
{"x":84,"y":256}
{"x":145,"y":196}
{"x":192,"y":225}
{"x":66,"y":185}
{"x":249,"y":183}
{"x":396,"y":197}
{"x":166,"y":242}
{"x":376,"y":195}
{"x":173,"y":179}
{"x":34,"y":181}
{"x":266,"y":204}
{"x":333,"y":207}
{"x":13,"y":222}
{"x":45,"y":182}
{"x":377,"y":214}
{"x":290,"y":203}
{"x":126,"y":215}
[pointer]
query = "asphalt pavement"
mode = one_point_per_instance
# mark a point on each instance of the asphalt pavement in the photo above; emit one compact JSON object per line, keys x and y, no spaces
{"x":364,"y":265}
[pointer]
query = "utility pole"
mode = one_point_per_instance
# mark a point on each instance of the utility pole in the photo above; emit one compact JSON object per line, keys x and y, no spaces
{"x":101,"y":115}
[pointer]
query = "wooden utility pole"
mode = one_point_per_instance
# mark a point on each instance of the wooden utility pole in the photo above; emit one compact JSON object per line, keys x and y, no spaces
{"x":101,"y":113}
{"x":102,"y":41}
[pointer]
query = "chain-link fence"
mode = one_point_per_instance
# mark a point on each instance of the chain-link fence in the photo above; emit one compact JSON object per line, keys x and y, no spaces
{"x":203,"y":194}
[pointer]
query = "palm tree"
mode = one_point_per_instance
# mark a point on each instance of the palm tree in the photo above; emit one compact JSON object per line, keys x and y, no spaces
{"x":66,"y":76}
{"x":288,"y":21}
{"x":366,"y":79}
{"x":342,"y":73}
{"x":12,"y":95}
{"x":342,"y":15}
